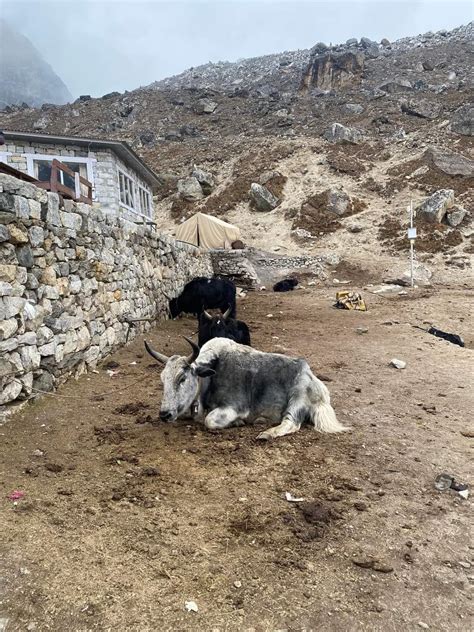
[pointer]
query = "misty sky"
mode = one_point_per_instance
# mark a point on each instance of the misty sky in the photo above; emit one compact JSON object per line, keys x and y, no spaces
{"x":97,"y":46}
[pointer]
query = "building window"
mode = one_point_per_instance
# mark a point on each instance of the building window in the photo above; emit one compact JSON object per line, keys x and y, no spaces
{"x":134,"y":196}
{"x":39,"y":166}
{"x":127,"y":191}
{"x":42,"y":171}
{"x":145,"y":201}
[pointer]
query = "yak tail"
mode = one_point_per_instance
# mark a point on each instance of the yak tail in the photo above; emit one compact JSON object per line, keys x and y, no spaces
{"x":323,"y":415}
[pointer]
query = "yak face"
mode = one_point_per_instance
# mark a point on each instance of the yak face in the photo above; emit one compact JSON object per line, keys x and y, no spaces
{"x":218,"y":328}
{"x":180,"y":382}
{"x":180,"y":388}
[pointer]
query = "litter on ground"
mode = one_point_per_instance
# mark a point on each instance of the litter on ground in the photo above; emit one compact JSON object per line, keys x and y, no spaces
{"x":292,"y":499}
{"x":350,"y":300}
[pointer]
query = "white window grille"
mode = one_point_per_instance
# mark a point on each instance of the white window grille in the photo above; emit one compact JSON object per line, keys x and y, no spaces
{"x":133,"y":195}
{"x":127,"y":191}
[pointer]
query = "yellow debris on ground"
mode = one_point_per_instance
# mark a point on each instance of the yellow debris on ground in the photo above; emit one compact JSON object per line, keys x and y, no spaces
{"x":350,"y":300}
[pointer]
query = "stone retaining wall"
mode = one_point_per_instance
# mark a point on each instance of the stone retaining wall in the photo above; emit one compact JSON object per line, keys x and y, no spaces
{"x":234,"y":265}
{"x":250,"y":268}
{"x":70,"y":277}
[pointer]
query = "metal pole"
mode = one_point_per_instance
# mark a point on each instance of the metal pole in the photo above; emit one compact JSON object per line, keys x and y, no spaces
{"x":412,"y":280}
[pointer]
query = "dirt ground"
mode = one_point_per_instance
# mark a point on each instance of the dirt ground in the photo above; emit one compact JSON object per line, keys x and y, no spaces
{"x":125,"y":518}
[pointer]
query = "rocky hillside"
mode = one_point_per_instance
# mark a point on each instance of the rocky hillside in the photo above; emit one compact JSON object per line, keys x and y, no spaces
{"x":24,"y":76}
{"x":309,"y":151}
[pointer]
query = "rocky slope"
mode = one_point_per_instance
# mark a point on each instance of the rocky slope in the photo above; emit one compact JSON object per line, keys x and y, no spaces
{"x":340,"y":139}
{"x":24,"y":76}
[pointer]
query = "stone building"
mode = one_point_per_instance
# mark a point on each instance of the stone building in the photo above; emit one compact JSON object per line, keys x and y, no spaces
{"x":121,"y":182}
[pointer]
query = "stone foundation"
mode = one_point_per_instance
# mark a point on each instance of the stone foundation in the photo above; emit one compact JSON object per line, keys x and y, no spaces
{"x":71,"y":277}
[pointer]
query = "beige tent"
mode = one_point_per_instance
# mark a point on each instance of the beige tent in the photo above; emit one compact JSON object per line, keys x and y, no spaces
{"x":207,"y":232}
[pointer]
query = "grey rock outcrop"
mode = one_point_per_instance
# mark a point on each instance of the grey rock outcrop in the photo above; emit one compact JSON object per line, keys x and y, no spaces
{"x":434,"y":208}
{"x":449,"y":162}
{"x":463,"y":120}
{"x":421,"y":108}
{"x":338,"y":133}
{"x":456,"y":215}
{"x":205,"y":179}
{"x":190,"y":190}
{"x":262,"y":198}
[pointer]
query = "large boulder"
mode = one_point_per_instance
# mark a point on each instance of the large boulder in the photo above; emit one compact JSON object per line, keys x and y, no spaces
{"x":338,"y":133}
{"x":205,"y":106}
{"x":434,"y":208}
{"x":463,"y":120}
{"x":422,"y":108}
{"x":353,"y":108}
{"x":456,"y":215}
{"x":449,"y":162}
{"x":327,"y":69}
{"x":338,"y":202}
{"x":398,"y":85}
{"x":190,"y":190}
{"x":262,"y":198}
{"x":205,"y":179}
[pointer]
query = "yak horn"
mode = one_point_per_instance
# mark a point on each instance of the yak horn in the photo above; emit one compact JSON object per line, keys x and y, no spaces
{"x":226,"y":314}
{"x":207,"y":315}
{"x":154,"y":354}
{"x":195,"y":349}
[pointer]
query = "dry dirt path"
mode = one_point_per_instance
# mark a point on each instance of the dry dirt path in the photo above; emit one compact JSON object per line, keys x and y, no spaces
{"x":125,"y":518}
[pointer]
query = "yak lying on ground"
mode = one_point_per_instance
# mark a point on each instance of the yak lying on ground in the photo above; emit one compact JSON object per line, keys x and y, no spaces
{"x":233,"y":383}
{"x":222,"y":326}
{"x":203,"y":293}
{"x":287,"y":285}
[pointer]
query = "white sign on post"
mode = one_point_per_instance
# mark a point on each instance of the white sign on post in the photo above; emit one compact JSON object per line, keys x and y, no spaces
{"x":412,"y":233}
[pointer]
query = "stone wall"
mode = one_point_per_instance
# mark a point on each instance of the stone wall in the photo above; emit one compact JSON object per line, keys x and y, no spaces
{"x":250,"y":268}
{"x":70,"y":277}
{"x":234,"y":265}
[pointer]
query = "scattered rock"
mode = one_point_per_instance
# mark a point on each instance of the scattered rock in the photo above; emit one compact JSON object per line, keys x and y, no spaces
{"x":434,"y":208}
{"x":338,"y":133}
{"x":205,"y":179}
{"x":353,"y":108}
{"x":190,"y":190}
{"x":422,"y":108}
{"x":463,"y":120}
{"x":373,"y":563}
{"x":456,"y":215}
{"x":398,"y":364}
{"x":449,"y":162}
{"x":205,"y":106}
{"x":262,"y":198}
{"x":392,"y":87}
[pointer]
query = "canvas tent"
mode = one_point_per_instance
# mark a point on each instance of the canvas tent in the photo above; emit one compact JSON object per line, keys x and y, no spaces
{"x":207,"y":232}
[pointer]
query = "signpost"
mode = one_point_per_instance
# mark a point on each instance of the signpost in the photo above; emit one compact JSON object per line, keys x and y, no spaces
{"x":412,"y":237}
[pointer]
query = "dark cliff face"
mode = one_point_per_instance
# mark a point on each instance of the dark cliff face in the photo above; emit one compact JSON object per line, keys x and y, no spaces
{"x":24,"y":75}
{"x":333,"y":70}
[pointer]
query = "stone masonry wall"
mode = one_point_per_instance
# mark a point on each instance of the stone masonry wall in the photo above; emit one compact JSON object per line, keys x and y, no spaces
{"x":70,"y":276}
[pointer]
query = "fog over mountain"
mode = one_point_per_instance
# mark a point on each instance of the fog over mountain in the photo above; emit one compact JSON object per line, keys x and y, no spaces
{"x":25,"y":77}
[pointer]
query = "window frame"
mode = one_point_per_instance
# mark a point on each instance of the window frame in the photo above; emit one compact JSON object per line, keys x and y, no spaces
{"x":140,"y":194}
{"x":30,"y":159}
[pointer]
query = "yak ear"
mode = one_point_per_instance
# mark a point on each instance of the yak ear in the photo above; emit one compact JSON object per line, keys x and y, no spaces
{"x":204,"y":371}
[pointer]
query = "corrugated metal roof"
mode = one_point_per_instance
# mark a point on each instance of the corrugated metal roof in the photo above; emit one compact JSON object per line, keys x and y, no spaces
{"x":121,"y":148}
